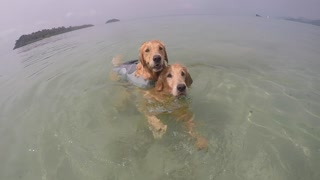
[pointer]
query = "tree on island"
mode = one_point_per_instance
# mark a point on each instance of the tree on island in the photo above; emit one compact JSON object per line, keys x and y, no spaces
{"x":45,"y":33}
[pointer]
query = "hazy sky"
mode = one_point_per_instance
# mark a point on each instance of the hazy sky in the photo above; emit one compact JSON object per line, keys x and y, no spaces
{"x":24,"y":16}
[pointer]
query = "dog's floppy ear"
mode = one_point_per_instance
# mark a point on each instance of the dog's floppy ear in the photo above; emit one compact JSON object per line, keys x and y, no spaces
{"x":141,"y":57}
{"x":159,"y":84}
{"x":166,"y":56}
{"x":189,"y":80}
{"x":139,"y":68}
{"x":165,"y":52}
{"x":161,"y":80}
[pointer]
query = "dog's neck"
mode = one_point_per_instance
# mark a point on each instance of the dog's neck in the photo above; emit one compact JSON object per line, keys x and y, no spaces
{"x":156,"y":75}
{"x":146,"y":73}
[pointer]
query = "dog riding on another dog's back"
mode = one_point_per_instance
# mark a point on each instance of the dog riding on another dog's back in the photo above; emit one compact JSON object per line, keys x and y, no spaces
{"x":173,"y":81}
{"x":144,"y":72}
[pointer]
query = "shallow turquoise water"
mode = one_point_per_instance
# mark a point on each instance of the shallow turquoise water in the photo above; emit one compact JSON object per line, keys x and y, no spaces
{"x":255,"y":96}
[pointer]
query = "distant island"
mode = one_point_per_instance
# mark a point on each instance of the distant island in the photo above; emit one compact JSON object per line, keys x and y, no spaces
{"x":303,"y":20}
{"x":112,"y":20}
{"x":45,"y":33}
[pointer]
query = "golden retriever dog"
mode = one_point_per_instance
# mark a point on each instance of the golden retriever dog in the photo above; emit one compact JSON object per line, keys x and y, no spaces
{"x":174,"y":80}
{"x":153,"y":59}
{"x":172,"y":85}
{"x":143,"y":72}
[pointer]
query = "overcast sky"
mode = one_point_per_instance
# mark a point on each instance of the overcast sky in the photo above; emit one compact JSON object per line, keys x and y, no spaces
{"x":25,"y":16}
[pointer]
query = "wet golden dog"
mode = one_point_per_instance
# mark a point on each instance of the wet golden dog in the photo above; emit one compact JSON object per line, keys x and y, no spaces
{"x":152,"y":60}
{"x":173,"y":82}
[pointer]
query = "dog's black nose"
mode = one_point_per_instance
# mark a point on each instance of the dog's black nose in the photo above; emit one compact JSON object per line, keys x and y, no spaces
{"x":157,"y":58}
{"x":181,"y":87}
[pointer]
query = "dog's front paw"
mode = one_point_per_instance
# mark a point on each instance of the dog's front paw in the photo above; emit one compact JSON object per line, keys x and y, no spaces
{"x":158,"y":133}
{"x":201,"y":143}
{"x":157,"y":128}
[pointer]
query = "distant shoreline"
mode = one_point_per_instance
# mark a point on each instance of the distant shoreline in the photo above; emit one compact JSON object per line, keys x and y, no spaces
{"x":303,"y":20}
{"x":45,"y":33}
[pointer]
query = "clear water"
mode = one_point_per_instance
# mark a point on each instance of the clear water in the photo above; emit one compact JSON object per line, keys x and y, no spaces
{"x":255,"y":96}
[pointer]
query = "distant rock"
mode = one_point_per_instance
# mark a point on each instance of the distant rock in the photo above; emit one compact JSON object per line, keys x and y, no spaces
{"x":112,"y":20}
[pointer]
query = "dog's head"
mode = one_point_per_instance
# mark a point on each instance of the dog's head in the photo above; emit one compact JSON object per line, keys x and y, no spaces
{"x":153,"y":55}
{"x":175,"y":80}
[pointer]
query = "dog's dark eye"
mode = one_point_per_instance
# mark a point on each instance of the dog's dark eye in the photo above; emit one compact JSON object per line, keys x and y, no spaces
{"x":182,"y":73}
{"x":160,"y":48}
{"x":147,"y":50}
{"x":169,"y":75}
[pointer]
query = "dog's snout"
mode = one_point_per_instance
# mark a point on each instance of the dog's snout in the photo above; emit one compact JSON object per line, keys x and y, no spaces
{"x":157,"y":58}
{"x":181,"y":87}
